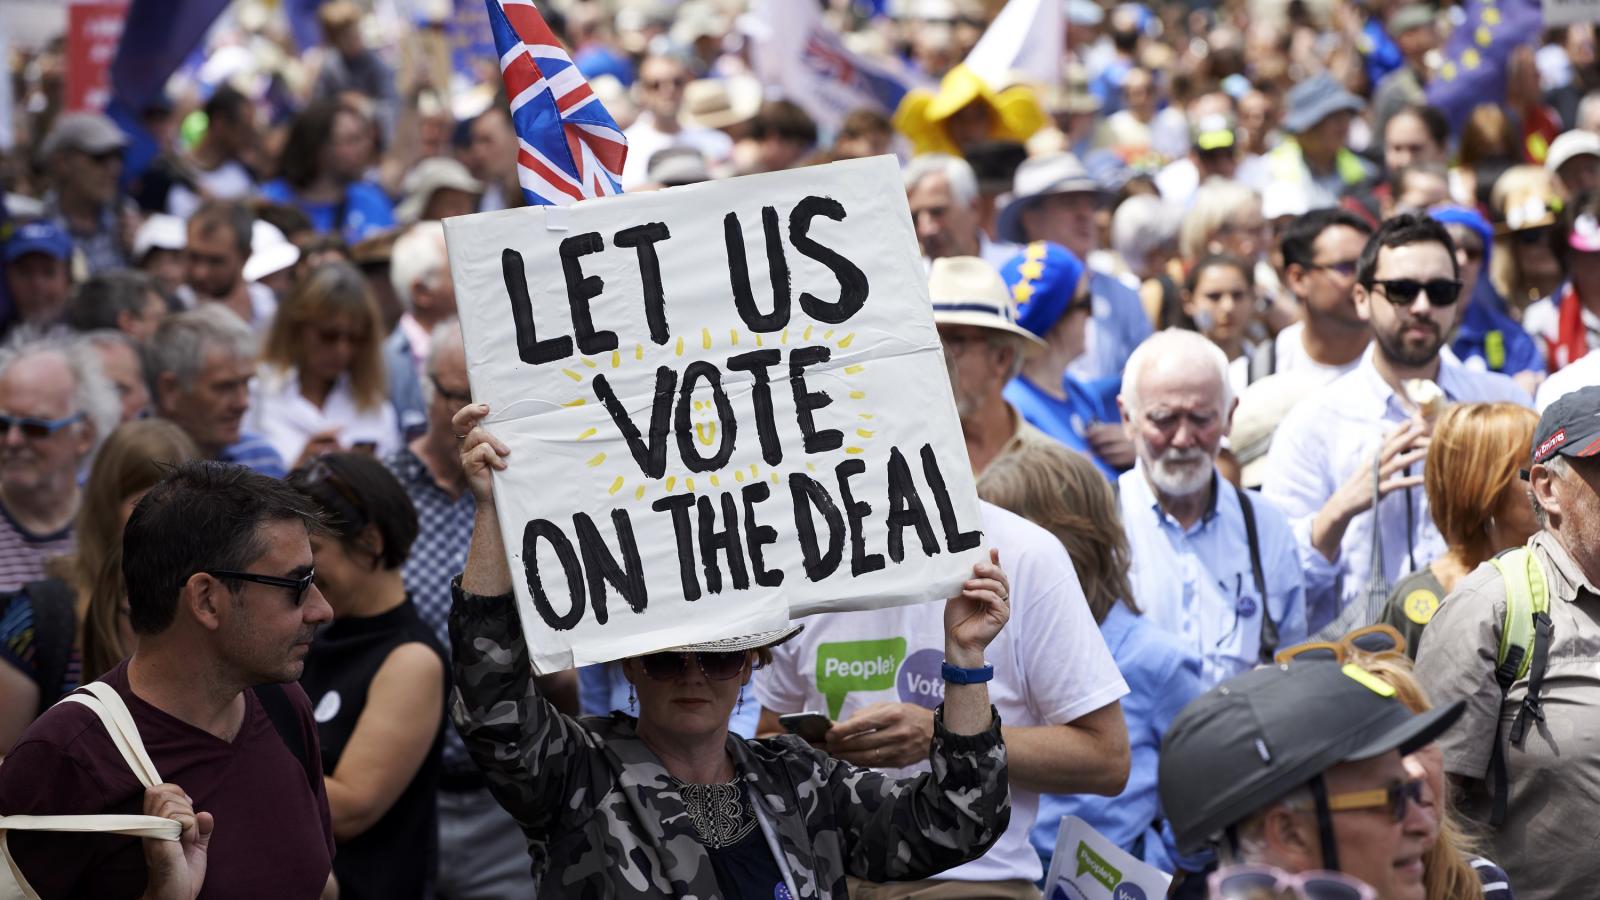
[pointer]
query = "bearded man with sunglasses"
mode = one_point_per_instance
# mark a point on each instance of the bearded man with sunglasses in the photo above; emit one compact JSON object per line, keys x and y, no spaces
{"x":1296,"y":770}
{"x":218,"y":566}
{"x":1364,"y":436}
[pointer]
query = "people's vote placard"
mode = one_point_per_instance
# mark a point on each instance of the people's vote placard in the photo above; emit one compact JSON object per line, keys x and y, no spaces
{"x":727,"y":407}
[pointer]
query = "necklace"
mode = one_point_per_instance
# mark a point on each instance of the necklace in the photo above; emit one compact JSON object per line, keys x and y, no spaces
{"x":718,"y":812}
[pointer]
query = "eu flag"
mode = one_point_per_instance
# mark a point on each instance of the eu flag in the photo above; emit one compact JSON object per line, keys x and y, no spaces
{"x":1474,"y":69}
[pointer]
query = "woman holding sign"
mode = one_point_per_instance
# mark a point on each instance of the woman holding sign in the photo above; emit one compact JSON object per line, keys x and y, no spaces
{"x":668,"y":805}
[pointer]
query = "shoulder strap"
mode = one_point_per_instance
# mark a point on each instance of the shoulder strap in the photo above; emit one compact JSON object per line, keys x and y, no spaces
{"x":280,"y":711}
{"x":1269,"y":628}
{"x":1527,"y":627}
{"x":1526,"y":596}
{"x":106,"y":703}
{"x":54,"y":627}
{"x":1263,"y":361}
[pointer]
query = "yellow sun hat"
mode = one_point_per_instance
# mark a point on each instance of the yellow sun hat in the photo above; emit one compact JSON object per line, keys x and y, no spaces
{"x":1017,"y":112}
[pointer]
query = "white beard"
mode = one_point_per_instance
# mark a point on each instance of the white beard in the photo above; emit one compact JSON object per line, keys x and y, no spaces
{"x":1179,"y":473}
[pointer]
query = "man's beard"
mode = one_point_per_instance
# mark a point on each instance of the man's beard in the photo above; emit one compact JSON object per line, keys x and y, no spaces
{"x":1394,"y":347}
{"x":1179,"y":473}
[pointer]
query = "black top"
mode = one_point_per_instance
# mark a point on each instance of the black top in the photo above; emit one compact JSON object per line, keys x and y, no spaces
{"x":398,"y":856}
{"x":725,"y":820}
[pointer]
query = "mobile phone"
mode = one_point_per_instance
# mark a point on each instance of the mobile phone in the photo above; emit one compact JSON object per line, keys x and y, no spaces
{"x":810,"y":725}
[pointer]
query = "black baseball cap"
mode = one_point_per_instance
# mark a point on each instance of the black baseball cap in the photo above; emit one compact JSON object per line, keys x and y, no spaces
{"x":1258,"y":736}
{"x":1570,"y":426}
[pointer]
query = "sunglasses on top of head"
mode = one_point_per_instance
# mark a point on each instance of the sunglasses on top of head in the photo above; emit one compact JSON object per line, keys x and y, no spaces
{"x":1404,"y":291}
{"x":1379,"y":640}
{"x":715,"y":665}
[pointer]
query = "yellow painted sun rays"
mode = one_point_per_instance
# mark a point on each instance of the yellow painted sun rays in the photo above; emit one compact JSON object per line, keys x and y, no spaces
{"x":705,"y":432}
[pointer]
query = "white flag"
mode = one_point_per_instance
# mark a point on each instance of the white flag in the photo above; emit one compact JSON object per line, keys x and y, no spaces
{"x":1028,"y":37}
{"x":798,"y":57}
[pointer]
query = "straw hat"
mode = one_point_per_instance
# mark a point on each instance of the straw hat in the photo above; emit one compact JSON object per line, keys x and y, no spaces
{"x":745,"y":642}
{"x":968,"y":291}
{"x":721,"y":102}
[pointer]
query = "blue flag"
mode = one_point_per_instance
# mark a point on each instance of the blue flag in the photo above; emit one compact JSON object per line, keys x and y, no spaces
{"x":1474,"y":70}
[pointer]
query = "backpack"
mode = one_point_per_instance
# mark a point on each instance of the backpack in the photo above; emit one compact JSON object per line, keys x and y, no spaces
{"x":1524,"y":651}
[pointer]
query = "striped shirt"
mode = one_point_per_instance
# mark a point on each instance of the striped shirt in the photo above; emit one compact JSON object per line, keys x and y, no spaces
{"x":23,"y":554}
{"x":1496,"y":886}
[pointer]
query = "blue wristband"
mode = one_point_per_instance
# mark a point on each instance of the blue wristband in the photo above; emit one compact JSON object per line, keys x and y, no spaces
{"x":958,"y":675}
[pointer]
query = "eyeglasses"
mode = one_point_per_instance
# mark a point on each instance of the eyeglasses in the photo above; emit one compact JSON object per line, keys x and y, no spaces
{"x":1530,"y":236}
{"x":1346,"y":268}
{"x":656,"y":84}
{"x":459,"y":398}
{"x":298,"y":585}
{"x":1268,"y":883}
{"x":37,"y":429}
{"x":1396,"y":799}
{"x":1380,"y":640}
{"x":1404,"y":291}
{"x":335,"y":335}
{"x":716,"y":665}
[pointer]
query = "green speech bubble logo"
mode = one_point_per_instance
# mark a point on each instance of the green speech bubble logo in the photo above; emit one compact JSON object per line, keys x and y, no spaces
{"x":1097,"y":867}
{"x":857,"y":666}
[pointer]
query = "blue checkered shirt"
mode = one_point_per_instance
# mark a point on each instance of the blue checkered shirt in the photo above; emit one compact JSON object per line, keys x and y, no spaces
{"x":444,"y":528}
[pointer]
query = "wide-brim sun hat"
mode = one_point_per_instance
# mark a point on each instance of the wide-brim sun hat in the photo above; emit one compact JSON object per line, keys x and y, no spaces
{"x":433,"y":174}
{"x":1058,"y":173}
{"x":718,"y":103}
{"x":270,"y":252}
{"x":754,"y":641}
{"x":968,"y":291}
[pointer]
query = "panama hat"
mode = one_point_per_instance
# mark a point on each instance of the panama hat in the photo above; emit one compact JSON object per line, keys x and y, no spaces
{"x":968,"y":291}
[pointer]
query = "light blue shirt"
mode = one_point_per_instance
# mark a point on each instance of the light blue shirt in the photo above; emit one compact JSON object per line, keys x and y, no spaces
{"x":1197,"y":583}
{"x":1162,"y":676}
{"x":1323,"y":441}
{"x":602,"y":688}
{"x":1117,"y":325}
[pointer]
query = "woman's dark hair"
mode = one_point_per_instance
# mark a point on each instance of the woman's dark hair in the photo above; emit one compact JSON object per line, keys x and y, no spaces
{"x":352,"y":491}
{"x":301,"y":161}
{"x":98,"y":302}
{"x":1585,"y":204}
{"x":203,"y":516}
{"x":1219,"y":261}
{"x":1432,"y":119}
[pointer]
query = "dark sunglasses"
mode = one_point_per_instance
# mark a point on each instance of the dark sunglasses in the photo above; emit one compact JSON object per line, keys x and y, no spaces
{"x":35,"y":428}
{"x":1530,"y":236}
{"x":1254,"y":882}
{"x":1396,"y":799}
{"x":335,"y":335}
{"x":459,"y":398}
{"x":1404,"y":291}
{"x":1472,"y":252}
{"x":716,"y":665}
{"x":298,"y":585}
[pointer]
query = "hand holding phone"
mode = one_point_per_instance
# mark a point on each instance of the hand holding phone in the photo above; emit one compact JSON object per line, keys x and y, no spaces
{"x":810,"y":725}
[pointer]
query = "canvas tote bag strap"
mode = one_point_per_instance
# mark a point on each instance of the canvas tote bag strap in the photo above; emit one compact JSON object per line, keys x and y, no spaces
{"x":113,"y":713}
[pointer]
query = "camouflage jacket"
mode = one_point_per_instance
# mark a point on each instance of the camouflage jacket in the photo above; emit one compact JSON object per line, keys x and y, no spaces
{"x":603,"y":820}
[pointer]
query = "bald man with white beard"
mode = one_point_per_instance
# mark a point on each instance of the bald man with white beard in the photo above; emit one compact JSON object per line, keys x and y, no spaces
{"x":1205,"y":553}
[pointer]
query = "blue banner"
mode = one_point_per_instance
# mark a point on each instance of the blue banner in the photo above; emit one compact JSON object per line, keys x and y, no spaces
{"x":1474,"y":69}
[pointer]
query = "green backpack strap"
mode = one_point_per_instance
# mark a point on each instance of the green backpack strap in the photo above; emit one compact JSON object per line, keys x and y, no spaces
{"x":1527,"y":596}
{"x":1524,"y":651}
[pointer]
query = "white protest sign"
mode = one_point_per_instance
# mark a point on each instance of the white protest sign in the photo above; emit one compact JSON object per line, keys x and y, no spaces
{"x":726,"y":404}
{"x":1570,"y":12}
{"x":1087,"y":866}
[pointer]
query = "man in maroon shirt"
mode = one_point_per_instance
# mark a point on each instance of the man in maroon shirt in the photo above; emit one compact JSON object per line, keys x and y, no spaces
{"x":217,"y":562}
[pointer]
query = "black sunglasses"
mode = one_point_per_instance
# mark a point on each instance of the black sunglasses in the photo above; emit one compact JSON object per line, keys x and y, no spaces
{"x":1531,"y":236}
{"x":716,"y":665}
{"x":298,"y":585}
{"x":1346,"y":268}
{"x":1404,"y":291}
{"x":36,"y":428}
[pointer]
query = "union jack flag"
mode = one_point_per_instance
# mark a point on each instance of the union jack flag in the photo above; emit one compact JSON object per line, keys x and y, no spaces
{"x":570,"y":147}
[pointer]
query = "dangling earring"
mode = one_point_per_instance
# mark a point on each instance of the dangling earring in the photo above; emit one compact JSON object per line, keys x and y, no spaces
{"x":739,"y":707}
{"x":630,"y":699}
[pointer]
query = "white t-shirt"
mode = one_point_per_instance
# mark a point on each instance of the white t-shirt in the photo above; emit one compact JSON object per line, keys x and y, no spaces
{"x":1580,"y":373}
{"x":1292,"y":356}
{"x":1050,"y":667}
{"x":279,"y":413}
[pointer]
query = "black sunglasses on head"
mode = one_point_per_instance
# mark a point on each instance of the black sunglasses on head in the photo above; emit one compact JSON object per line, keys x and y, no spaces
{"x":716,"y":665}
{"x":1404,"y":291}
{"x":298,"y":585}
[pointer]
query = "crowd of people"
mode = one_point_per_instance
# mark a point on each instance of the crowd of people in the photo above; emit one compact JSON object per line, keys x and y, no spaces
{"x":1228,"y":297}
